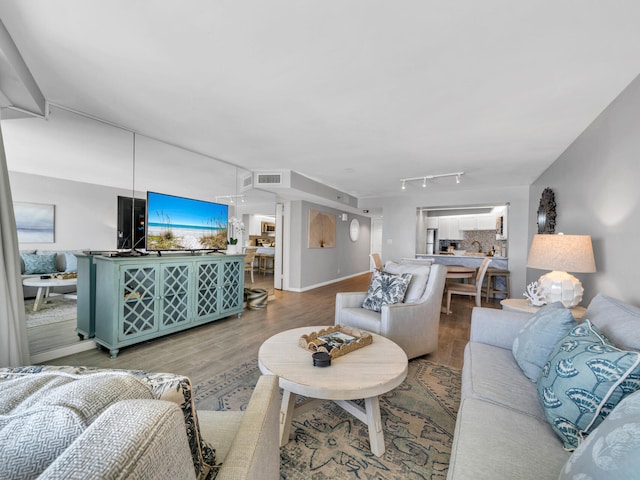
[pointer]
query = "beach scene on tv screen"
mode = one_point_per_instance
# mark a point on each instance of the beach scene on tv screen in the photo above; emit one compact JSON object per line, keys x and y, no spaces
{"x":177,"y":223}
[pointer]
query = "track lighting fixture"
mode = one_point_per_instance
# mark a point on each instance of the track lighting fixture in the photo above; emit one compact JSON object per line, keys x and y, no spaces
{"x":430,"y":177}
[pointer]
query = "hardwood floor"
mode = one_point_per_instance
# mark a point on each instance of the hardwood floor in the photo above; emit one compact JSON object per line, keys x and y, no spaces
{"x":205,"y":351}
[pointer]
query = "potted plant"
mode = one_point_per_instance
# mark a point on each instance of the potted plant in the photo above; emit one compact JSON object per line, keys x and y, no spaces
{"x":236,"y":227}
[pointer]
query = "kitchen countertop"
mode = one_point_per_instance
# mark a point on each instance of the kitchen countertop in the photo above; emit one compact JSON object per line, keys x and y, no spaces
{"x":444,"y":255}
{"x":472,"y":261}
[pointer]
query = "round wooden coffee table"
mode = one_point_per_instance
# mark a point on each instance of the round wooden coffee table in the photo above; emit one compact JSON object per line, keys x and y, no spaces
{"x":44,"y":285}
{"x":364,"y":373}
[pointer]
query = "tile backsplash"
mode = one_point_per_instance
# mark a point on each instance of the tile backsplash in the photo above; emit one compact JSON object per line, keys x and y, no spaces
{"x":487,"y":239}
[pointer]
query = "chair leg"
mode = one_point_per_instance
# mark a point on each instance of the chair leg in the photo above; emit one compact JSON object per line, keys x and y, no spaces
{"x":449,"y":303}
{"x":479,"y":300}
{"x":252,"y":275}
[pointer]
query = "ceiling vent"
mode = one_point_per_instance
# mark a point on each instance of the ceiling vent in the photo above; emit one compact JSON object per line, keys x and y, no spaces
{"x":246,"y":183}
{"x":272,"y":179}
{"x":269,"y":179}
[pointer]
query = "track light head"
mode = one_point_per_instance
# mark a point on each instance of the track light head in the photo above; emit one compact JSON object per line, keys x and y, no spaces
{"x":424,"y":178}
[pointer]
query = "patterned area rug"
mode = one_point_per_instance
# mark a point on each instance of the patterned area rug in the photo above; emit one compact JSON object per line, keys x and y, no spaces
{"x":57,"y":309}
{"x":328,"y":443}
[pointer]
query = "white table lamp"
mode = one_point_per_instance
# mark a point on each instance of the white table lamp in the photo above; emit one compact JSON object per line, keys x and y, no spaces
{"x":561,"y":254}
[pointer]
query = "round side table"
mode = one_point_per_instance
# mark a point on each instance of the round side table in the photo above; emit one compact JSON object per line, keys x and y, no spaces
{"x":522,"y":305}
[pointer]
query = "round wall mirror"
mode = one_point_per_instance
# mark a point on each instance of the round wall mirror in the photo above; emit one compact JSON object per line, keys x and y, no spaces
{"x":354,"y":229}
{"x":547,"y":212}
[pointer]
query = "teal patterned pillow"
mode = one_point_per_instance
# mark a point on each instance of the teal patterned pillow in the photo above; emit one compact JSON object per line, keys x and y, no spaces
{"x":39,"y":263}
{"x":583,"y":380}
{"x":385,"y":289}
{"x":536,"y":340}
{"x":611,"y":451}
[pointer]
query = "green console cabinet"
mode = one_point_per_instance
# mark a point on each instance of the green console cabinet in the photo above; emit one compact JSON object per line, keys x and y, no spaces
{"x":86,"y":324}
{"x":140,"y":298}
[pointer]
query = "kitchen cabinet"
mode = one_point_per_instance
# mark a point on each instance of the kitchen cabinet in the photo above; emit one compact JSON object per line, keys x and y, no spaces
{"x":467,"y":222}
{"x":449,"y":228}
{"x":432,"y":222}
{"x":485,"y":221}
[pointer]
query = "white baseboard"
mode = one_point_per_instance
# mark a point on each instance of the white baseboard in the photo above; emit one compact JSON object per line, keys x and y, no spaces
{"x":329,"y":282}
{"x":47,"y":355}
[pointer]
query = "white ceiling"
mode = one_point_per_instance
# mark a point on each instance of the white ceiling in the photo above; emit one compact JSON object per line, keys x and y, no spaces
{"x":354,"y":94}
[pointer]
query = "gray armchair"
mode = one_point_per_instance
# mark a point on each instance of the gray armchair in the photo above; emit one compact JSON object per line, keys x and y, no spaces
{"x":413,"y":325}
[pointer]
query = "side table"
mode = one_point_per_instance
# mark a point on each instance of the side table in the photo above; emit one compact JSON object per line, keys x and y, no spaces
{"x":522,"y":305}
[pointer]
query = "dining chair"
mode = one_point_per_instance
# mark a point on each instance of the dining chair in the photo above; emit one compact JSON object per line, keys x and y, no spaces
{"x":377,"y":261}
{"x":249,"y":258}
{"x":470,"y":289}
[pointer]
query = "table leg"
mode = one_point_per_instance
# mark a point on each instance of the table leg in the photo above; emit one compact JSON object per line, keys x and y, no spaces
{"x":39,"y":297}
{"x":286,"y":414}
{"x":374,"y":422}
{"x":370,"y":415}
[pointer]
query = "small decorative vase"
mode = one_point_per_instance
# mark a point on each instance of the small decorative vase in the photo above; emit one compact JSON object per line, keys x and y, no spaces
{"x":232,"y":249}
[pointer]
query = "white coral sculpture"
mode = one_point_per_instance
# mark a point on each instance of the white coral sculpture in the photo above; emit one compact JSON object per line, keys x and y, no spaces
{"x":534,"y":295}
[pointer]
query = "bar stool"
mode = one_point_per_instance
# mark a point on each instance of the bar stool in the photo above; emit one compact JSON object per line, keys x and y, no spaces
{"x":492,"y":274}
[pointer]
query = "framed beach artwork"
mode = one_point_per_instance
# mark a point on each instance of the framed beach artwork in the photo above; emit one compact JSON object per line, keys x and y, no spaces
{"x":322,"y":229}
{"x":34,"y":222}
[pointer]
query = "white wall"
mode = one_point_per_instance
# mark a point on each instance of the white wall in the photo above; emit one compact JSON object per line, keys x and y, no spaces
{"x":85,"y":214}
{"x":399,"y":213}
{"x":596,"y":183}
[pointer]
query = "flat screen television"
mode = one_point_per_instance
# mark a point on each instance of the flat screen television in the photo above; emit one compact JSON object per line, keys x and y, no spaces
{"x":178,"y":223}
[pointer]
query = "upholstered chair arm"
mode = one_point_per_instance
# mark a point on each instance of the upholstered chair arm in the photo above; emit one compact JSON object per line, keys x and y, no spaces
{"x":496,"y":327}
{"x":348,"y":300}
{"x":415,"y":326}
{"x":143,"y":439}
{"x":255,"y":451}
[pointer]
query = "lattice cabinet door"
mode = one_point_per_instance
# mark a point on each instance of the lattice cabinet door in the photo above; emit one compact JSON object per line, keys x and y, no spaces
{"x":138,"y":291}
{"x":174,"y":296}
{"x":207,"y":291}
{"x":232,"y":285}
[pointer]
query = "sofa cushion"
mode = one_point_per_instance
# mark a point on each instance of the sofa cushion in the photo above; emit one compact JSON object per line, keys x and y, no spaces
{"x":385,"y":289}
{"x":419,"y":278}
{"x":71,"y":262}
{"x":492,"y":441}
{"x":492,"y":374}
{"x":618,"y":321}
{"x":41,"y":415}
{"x":583,"y":380}
{"x":31,"y":252}
{"x":39,"y":263}
{"x":611,"y":451}
{"x":536,"y":340}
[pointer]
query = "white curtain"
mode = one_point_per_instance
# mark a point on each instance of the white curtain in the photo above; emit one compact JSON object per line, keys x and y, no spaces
{"x":14,"y":346}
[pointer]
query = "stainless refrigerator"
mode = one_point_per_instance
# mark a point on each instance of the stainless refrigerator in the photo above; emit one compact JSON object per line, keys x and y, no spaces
{"x":432,"y":238}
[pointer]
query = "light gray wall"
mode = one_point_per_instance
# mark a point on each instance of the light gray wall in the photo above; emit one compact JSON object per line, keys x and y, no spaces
{"x":311,"y":267}
{"x":399,"y":222}
{"x":596,"y":183}
{"x":85,"y":214}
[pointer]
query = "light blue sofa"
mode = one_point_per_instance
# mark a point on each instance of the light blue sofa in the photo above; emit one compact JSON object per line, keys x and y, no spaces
{"x":501,"y":430}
